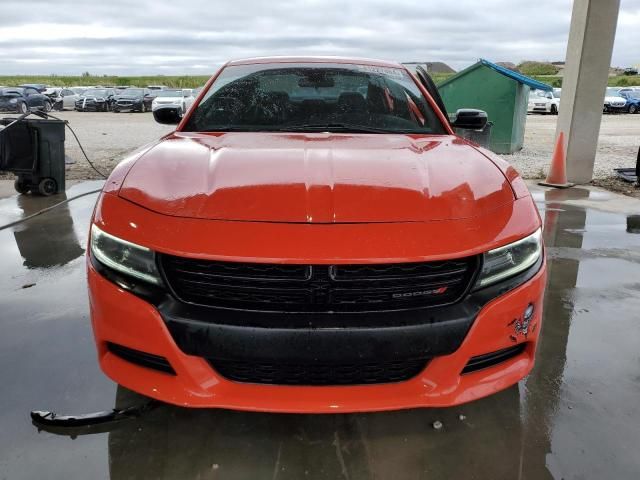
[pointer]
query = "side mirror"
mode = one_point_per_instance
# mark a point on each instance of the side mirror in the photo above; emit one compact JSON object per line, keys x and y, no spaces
{"x":167,"y":116}
{"x":469,"y":119}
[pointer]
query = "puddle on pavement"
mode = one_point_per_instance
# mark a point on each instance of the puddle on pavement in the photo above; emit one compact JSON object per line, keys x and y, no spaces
{"x":575,"y":416}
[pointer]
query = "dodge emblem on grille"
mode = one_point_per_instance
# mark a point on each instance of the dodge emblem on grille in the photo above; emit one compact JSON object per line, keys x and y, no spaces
{"x":420,"y":293}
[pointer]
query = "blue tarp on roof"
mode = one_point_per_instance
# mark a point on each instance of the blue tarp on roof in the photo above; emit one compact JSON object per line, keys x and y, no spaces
{"x":518,"y":77}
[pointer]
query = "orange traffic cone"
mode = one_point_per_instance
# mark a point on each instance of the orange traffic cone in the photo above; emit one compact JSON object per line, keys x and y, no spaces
{"x":557,"y":172}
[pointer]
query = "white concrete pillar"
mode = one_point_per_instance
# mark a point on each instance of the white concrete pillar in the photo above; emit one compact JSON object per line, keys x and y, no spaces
{"x":593,"y":29}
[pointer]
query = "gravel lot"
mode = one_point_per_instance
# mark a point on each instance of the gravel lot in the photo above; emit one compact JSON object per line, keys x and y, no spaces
{"x":617,"y":146}
{"x":108,"y":136}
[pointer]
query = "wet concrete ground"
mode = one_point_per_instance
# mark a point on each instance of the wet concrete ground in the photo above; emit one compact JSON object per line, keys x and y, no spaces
{"x":577,"y":416}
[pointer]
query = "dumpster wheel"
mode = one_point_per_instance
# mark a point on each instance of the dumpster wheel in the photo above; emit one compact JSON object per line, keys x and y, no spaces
{"x":47,"y":186}
{"x":21,"y":186}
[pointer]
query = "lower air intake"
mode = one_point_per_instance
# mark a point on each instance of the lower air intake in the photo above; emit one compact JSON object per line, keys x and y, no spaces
{"x":494,"y":358}
{"x":319,"y":374}
{"x":143,"y":359}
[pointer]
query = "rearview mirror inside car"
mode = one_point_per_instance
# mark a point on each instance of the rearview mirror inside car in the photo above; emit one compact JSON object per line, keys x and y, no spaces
{"x":469,"y":118}
{"x":167,"y":116}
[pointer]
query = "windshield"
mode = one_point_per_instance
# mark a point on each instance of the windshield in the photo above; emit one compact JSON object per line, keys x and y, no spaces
{"x":613,"y":92}
{"x":169,"y":93}
{"x":95,"y":93}
{"x":314,"y":97}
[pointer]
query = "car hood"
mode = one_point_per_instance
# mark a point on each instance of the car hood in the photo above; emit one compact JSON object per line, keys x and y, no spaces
{"x":316,"y":178}
{"x":613,"y":98}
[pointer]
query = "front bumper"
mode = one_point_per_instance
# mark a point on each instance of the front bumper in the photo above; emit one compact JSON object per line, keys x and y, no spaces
{"x":90,"y":105}
{"x":122,"y":318}
{"x":128,"y":105}
{"x":168,"y":107}
{"x":12,"y":108}
{"x":539,"y":108}
{"x":615,"y":108}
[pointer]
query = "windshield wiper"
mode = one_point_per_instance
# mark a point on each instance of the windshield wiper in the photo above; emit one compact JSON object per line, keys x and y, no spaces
{"x":334,"y":127}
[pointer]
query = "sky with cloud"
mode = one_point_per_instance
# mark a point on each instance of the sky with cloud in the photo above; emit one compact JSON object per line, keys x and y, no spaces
{"x":136,"y":37}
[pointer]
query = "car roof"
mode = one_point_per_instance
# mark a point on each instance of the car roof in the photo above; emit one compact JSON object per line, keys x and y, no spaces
{"x":316,"y":59}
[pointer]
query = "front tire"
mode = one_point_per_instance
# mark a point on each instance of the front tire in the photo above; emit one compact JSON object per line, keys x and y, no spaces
{"x":23,"y":108}
{"x":47,"y":186}
{"x":633,"y":109}
{"x":47,"y":106}
{"x":554,"y":110}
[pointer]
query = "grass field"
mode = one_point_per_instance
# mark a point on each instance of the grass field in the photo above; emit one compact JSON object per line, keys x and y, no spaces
{"x":199,"y":80}
{"x":78,"y":81}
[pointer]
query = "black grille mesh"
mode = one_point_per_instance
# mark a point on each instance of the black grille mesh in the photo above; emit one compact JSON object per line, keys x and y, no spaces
{"x":320,"y":288}
{"x":319,"y":374}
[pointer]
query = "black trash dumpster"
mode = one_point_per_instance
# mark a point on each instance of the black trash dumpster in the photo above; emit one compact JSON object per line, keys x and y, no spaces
{"x":33,"y":149}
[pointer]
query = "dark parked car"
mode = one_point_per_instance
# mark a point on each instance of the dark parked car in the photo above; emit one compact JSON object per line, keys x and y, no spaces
{"x":96,"y":99}
{"x":133,"y":99}
{"x":23,"y":99}
{"x":633,"y":100}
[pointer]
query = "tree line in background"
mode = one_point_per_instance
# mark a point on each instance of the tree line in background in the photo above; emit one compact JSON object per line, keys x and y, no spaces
{"x":545,"y":72}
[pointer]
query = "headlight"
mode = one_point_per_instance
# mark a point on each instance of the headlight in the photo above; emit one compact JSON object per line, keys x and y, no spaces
{"x":511,"y":259}
{"x":126,"y":257}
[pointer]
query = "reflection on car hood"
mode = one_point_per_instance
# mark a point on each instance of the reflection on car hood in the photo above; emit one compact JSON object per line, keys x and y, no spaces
{"x":316,"y":178}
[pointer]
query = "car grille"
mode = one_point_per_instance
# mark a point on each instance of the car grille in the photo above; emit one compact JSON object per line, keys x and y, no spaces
{"x":319,"y":374}
{"x":318,"y":288}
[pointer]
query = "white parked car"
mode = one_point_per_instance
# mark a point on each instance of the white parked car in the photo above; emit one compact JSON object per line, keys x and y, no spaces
{"x":173,"y":98}
{"x":544,"y":102}
{"x":613,"y":102}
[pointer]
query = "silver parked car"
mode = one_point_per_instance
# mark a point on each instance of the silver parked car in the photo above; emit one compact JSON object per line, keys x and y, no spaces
{"x":64,"y":98}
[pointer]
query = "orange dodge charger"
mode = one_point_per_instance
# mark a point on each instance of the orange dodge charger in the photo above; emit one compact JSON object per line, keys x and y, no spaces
{"x":314,"y":237}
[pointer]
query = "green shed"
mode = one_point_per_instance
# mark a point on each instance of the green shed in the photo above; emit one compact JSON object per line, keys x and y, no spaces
{"x":500,"y":92}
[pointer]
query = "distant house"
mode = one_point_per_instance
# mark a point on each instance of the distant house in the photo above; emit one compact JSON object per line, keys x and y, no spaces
{"x":430,"y":67}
